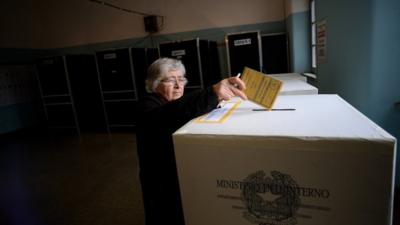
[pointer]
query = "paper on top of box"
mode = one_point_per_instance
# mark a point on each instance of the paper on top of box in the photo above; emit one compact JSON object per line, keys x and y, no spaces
{"x":294,"y":84}
{"x":288,"y":76}
{"x":315,"y":116}
{"x":297,"y":87}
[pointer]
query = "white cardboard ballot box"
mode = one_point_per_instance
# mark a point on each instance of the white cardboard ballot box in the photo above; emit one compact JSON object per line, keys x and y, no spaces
{"x":323,"y":163}
{"x":294,"y":84}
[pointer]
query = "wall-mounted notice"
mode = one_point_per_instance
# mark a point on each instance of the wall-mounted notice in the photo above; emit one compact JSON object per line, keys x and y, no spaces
{"x":17,"y":84}
{"x":321,"y":41}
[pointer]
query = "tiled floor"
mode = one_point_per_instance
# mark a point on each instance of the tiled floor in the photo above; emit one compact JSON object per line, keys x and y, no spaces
{"x":66,"y":180}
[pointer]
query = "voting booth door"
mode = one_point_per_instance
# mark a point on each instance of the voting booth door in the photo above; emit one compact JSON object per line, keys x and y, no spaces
{"x":86,"y":93}
{"x":70,"y":92}
{"x":267,"y":53}
{"x":56,"y":93}
{"x":118,"y":87}
{"x":141,"y":59}
{"x":210,"y":63}
{"x":275,"y":54}
{"x":243,"y":50}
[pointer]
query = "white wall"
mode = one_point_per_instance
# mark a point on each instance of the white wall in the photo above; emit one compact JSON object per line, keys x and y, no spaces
{"x":55,"y":24}
{"x":295,"y":6}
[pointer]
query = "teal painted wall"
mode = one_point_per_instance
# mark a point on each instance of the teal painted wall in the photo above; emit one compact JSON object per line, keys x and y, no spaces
{"x":298,"y":28}
{"x":17,"y":116}
{"x":20,"y":107}
{"x":363,"y":55}
{"x":386,"y":69}
{"x":22,"y":55}
{"x":24,"y":114}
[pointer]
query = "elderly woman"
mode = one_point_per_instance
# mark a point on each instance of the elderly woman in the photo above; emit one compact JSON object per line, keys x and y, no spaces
{"x":162,"y":112}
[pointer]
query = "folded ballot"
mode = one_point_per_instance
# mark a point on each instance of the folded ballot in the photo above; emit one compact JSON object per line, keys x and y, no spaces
{"x":260,"y":88}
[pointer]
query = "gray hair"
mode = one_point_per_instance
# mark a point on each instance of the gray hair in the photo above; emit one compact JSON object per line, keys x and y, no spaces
{"x":159,"y":69}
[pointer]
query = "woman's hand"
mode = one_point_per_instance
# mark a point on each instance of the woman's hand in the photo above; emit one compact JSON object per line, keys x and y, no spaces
{"x":230,"y":87}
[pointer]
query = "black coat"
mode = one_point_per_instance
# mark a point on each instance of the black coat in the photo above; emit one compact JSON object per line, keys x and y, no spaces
{"x":157,"y":121}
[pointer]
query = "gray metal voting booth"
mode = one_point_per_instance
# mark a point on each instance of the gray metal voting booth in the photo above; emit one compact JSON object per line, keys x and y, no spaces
{"x":118,"y":88}
{"x":70,"y":93}
{"x":243,"y":50}
{"x":268,"y":53}
{"x":121,"y":74}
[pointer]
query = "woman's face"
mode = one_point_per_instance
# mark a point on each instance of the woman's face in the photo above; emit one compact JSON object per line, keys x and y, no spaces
{"x":172,"y":86}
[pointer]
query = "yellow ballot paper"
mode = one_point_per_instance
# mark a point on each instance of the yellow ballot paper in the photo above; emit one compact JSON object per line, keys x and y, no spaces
{"x":260,"y":88}
{"x":218,"y":115}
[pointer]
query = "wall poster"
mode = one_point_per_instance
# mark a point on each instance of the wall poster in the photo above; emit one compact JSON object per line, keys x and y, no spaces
{"x":321,"y":41}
